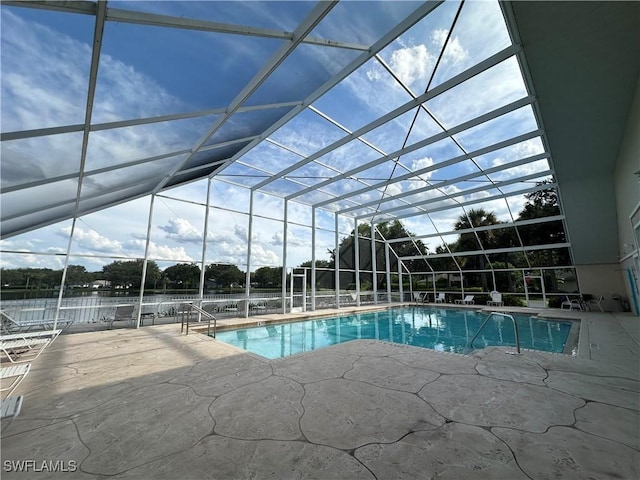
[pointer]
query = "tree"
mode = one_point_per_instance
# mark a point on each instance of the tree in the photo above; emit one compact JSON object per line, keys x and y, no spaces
{"x":475,"y":218}
{"x":540,"y":204}
{"x":319,"y":264}
{"x":389,"y":231}
{"x":268,"y":277}
{"x":33,"y":278}
{"x":128,"y":274}
{"x":183,"y":275}
{"x":224,"y":274}
{"x":474,"y":241}
{"x":77,"y":275}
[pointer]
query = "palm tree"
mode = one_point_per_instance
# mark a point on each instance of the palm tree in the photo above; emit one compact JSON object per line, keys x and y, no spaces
{"x":473,"y":241}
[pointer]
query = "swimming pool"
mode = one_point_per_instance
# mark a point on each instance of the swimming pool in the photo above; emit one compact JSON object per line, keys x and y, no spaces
{"x":440,"y":329}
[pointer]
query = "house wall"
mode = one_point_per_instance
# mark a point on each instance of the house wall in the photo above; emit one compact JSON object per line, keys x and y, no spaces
{"x":627,"y":187}
{"x":602,"y":279}
{"x":612,"y":279}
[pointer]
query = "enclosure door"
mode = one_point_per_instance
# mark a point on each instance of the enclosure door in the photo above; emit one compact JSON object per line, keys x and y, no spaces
{"x":534,"y":291}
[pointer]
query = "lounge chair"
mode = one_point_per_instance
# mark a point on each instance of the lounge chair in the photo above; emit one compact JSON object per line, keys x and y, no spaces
{"x":12,"y":376}
{"x":122,"y":313}
{"x":12,"y":325}
{"x":597,"y":303}
{"x":420,"y":297}
{"x":468,"y":300}
{"x":440,"y":298}
{"x":23,"y":349}
{"x":572,"y":304}
{"x":10,"y":409}
{"x":49,"y":334}
{"x":496,"y":299}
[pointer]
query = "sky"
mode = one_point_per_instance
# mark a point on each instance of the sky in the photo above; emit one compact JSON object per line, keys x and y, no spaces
{"x":147,"y":71}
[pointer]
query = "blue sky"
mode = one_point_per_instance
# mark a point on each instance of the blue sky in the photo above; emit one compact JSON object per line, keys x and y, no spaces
{"x":147,"y":71}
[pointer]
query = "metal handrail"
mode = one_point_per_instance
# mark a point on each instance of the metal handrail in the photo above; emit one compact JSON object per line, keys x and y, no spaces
{"x":208,"y":315}
{"x":515,"y":328}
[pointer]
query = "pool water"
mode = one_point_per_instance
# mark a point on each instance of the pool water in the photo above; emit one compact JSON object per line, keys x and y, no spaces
{"x":440,"y":329}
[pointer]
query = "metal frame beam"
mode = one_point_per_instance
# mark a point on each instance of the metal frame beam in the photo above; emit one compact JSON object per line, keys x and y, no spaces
{"x":437,"y":185}
{"x":460,"y":193}
{"x":445,"y":163}
{"x":305,"y":27}
{"x":488,"y":252}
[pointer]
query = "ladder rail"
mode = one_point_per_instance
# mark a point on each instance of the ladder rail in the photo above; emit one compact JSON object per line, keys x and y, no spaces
{"x":500,"y":314}
{"x":207,"y":315}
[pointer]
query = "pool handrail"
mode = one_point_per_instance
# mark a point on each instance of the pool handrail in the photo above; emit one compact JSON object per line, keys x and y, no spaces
{"x":515,"y":329}
{"x":209,"y":316}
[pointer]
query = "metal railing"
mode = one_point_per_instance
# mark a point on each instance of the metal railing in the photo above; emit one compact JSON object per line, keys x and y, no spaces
{"x":515,"y":329}
{"x":186,"y":315}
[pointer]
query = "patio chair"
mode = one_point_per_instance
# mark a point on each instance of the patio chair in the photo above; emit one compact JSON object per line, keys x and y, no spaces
{"x":231,"y":307}
{"x":123,"y":312}
{"x":257,"y":306}
{"x":468,"y":300}
{"x":572,"y":304}
{"x":419,"y":297}
{"x":274,"y":305}
{"x":12,"y":325}
{"x":12,"y":376}
{"x":211,"y":308}
{"x":496,"y":299}
{"x":597,"y":303}
{"x":440,"y":298}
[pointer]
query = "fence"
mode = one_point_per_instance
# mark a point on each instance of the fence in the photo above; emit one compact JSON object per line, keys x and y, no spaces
{"x":92,"y":309}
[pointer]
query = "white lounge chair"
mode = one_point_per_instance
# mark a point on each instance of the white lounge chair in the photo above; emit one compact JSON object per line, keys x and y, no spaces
{"x":11,"y":325}
{"x":571,"y":304}
{"x":440,"y":298}
{"x":468,"y":300}
{"x":496,"y":299}
{"x":597,"y":303}
{"x":50,"y":334}
{"x":23,"y":350}
{"x":12,"y":376}
{"x":419,"y":297}
{"x":10,"y":409}
{"x":26,"y":346}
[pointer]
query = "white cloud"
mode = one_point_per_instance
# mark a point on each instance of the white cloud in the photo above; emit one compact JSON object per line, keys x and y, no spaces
{"x":180,"y":230}
{"x":30,"y":260}
{"x":419,"y":164}
{"x":169,"y":253}
{"x":92,"y":240}
{"x":412,"y":65}
{"x":240,"y":232}
{"x":454,"y":52}
{"x":292,"y":240}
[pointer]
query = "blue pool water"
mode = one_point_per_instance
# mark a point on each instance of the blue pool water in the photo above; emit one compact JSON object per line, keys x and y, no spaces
{"x":435,"y":328}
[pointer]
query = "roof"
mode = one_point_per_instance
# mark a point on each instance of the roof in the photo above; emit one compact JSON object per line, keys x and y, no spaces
{"x":374,"y":110}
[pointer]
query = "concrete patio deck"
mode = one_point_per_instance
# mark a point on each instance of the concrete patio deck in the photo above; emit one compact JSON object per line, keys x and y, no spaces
{"x":151,"y":403}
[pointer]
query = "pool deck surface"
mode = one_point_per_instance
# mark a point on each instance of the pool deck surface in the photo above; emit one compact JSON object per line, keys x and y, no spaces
{"x":152,"y":403}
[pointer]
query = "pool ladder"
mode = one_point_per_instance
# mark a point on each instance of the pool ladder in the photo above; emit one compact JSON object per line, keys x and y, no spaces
{"x":515,"y":329}
{"x":204,"y":313}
